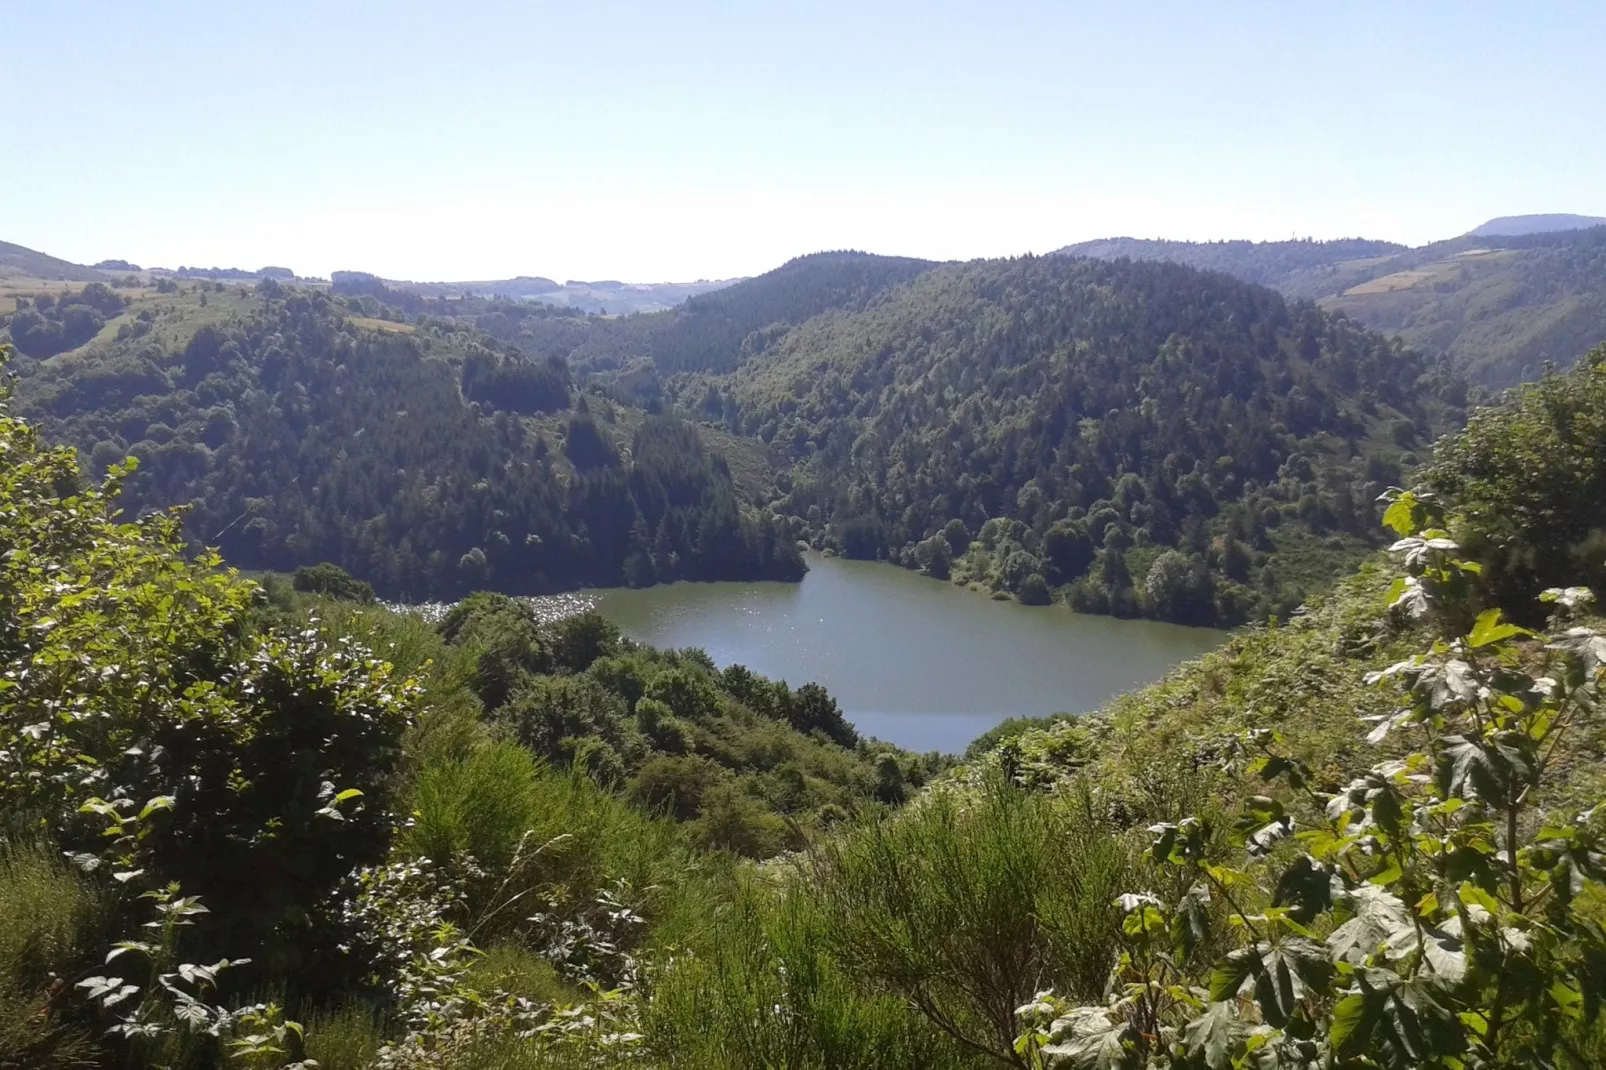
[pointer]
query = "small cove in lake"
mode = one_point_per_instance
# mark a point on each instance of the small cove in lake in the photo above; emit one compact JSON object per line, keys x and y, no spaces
{"x":911,"y":660}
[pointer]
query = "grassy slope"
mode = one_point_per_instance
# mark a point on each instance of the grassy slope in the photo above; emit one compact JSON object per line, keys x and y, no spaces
{"x":20,"y":261}
{"x":1304,"y":678}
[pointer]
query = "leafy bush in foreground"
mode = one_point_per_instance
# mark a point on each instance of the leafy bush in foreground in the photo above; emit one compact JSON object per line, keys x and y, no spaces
{"x":1436,"y":911}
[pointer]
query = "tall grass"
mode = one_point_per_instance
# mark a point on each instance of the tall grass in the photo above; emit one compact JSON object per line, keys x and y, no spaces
{"x":967,"y":904}
{"x":480,"y":805}
{"x":763,"y":990}
{"x":49,"y":916}
{"x":344,"y":1038}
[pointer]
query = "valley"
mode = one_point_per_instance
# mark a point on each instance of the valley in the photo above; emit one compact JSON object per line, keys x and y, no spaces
{"x":646,"y":549}
{"x":870,"y":543}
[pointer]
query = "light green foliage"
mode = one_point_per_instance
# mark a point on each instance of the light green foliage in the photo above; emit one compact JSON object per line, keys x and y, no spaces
{"x":764,"y":990}
{"x":1529,"y":479}
{"x":1438,"y":910}
{"x":480,"y":806}
{"x":969,"y":902}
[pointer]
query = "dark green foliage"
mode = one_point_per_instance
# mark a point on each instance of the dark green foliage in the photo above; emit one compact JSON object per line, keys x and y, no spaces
{"x":518,"y":385}
{"x":331,"y":580}
{"x":47,"y":325}
{"x":1080,"y":418}
{"x":298,"y":437}
{"x":586,"y":445}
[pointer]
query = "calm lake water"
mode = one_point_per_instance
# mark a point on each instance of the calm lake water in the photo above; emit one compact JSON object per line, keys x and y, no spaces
{"x":912,"y":660}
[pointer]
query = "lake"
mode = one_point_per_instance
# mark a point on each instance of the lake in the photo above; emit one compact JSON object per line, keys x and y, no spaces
{"x":912,"y":660}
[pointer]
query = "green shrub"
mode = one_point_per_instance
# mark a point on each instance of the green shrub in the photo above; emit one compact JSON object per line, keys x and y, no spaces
{"x":732,"y":820}
{"x":333,"y":581}
{"x":674,"y":784}
{"x":480,"y":806}
{"x":764,"y":990}
{"x":551,"y":715}
{"x":971,"y":901}
{"x":518,"y":971}
{"x":1528,"y":480}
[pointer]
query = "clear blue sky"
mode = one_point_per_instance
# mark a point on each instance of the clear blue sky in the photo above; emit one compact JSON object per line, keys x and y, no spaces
{"x":685,"y":140}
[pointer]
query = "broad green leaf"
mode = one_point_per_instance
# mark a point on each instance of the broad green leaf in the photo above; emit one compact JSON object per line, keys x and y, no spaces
{"x":1090,"y":1039}
{"x":1214,"y":1036}
{"x":1489,"y":628}
{"x":1464,"y":765}
{"x":1227,"y":979}
{"x":1380,"y":918}
{"x":1306,"y":888}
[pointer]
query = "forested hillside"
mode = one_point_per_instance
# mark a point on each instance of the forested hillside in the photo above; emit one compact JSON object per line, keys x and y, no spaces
{"x":1499,"y":304}
{"x":1500,"y":307}
{"x":1146,"y":438}
{"x":245,"y":827}
{"x":423,"y":457}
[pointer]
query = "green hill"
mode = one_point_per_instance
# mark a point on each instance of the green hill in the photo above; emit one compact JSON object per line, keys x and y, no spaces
{"x":1499,"y":307}
{"x":1511,"y":225}
{"x":1144,"y":438}
{"x":425,"y":458}
{"x":258,"y":827}
{"x":1500,"y":301}
{"x":1299,"y":268}
{"x":17,"y":261}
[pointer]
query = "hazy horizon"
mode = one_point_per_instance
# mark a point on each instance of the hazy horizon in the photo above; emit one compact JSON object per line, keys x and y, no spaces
{"x":624,"y":141}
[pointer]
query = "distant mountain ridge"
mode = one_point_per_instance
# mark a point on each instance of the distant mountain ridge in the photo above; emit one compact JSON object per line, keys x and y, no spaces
{"x":1501,"y":301}
{"x":1269,"y":263}
{"x":607,"y":296}
{"x":1507,"y":226}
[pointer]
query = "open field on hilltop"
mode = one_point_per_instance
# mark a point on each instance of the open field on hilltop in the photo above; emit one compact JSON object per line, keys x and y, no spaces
{"x":1446,"y":270}
{"x":370,"y":323}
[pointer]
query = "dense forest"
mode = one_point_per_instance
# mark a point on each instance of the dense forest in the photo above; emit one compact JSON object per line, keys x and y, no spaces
{"x":425,"y":458}
{"x":1133,"y":438}
{"x":252,"y":826}
{"x":1144,"y":438}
